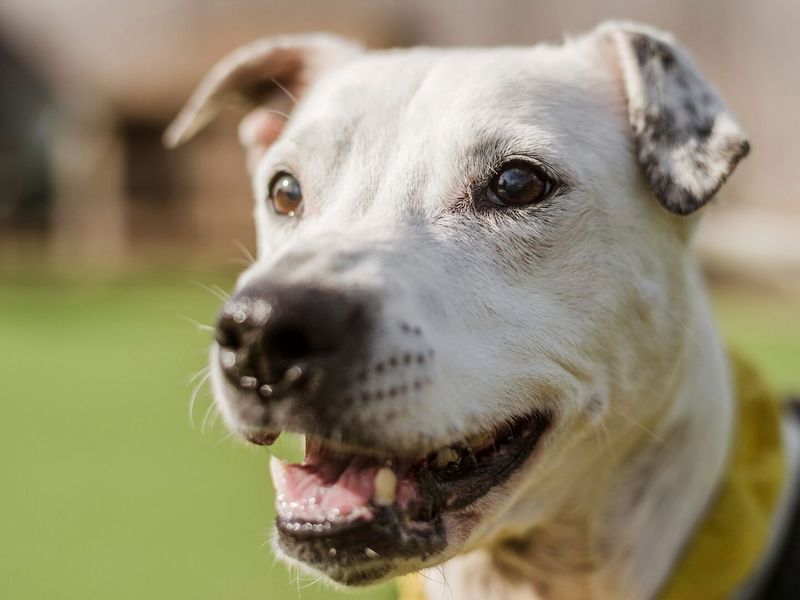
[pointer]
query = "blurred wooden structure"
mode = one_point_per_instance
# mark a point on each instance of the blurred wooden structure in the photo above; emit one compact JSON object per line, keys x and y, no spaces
{"x":118,"y":71}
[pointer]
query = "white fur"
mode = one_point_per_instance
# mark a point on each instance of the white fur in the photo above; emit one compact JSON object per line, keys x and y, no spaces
{"x":590,"y":306}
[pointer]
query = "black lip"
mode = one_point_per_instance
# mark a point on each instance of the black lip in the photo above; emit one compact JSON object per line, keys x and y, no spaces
{"x":473,"y":479}
{"x":360,"y":552}
{"x":363,"y":550}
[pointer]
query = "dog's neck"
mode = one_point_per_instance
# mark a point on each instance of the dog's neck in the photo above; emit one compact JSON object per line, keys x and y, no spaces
{"x":619,"y":536}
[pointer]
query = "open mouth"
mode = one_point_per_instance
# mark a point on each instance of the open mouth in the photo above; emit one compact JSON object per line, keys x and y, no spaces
{"x":346,"y":507}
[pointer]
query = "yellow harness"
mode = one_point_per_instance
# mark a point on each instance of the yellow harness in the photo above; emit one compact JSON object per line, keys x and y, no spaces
{"x":731,"y":538}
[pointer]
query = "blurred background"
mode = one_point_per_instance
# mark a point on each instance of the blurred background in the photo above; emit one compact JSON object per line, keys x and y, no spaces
{"x":113,"y":253}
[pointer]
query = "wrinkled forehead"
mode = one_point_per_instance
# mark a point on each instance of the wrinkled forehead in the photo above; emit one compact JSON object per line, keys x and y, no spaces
{"x":421,"y":95}
{"x":429,"y":109}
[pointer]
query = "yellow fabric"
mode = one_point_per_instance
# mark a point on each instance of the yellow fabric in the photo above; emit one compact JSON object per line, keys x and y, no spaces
{"x":409,"y":587}
{"x":731,"y":539}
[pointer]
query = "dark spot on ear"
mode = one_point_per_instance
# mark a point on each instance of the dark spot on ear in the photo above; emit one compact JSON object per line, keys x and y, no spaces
{"x":738,"y":150}
{"x":659,"y":128}
{"x":673,"y":111}
{"x":649,"y":49}
{"x":689,"y":107}
{"x":674,"y":197}
{"x":703,"y":130}
{"x":700,"y":164}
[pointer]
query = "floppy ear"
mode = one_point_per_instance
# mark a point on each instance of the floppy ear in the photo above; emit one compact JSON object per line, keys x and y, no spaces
{"x":687,"y":141}
{"x":271,"y":72}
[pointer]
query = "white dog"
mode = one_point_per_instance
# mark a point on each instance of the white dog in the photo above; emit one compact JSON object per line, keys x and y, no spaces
{"x":475,"y":296}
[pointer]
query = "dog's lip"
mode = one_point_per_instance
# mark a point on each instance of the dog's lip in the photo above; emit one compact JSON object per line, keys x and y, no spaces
{"x":337,"y":492}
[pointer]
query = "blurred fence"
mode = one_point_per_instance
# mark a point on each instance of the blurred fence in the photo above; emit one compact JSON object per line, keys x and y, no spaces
{"x":88,"y":86}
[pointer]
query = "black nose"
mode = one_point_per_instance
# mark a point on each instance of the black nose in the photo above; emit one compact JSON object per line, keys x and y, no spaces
{"x":271,"y":336}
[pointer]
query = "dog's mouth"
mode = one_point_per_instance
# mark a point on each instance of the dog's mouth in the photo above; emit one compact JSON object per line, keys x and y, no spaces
{"x":351,"y":512}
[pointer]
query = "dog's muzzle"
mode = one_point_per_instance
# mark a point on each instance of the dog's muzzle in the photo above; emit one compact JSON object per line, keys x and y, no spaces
{"x":302,"y":359}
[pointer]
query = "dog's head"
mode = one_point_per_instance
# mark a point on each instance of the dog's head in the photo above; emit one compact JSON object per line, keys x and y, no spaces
{"x":466,"y":259}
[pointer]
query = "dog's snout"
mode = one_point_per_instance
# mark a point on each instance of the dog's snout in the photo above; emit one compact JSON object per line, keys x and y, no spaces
{"x":272,"y":336}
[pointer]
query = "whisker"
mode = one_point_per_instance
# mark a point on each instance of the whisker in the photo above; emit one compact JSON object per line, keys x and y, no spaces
{"x":210,"y":408}
{"x":279,"y":113}
{"x":282,"y":88}
{"x":637,"y":424}
{"x":224,"y":438}
{"x":311,"y":581}
{"x":200,"y":326}
{"x":239,"y":262}
{"x":193,"y":398}
{"x":444,"y":579}
{"x":194,"y":377}
{"x":602,"y":426}
{"x":221,"y":294}
{"x":243,"y":249}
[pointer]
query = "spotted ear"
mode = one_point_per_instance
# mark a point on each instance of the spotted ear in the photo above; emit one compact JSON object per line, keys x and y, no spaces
{"x":687,"y":140}
{"x":270,"y":73}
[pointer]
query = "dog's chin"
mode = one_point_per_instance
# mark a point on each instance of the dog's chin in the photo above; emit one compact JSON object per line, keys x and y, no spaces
{"x":359,"y":517}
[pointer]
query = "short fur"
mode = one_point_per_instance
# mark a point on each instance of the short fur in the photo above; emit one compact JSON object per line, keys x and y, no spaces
{"x":589,"y":305}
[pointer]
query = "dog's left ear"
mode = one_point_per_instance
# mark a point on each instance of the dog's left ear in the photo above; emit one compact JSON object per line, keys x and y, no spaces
{"x":687,"y":140}
{"x":270,"y":73}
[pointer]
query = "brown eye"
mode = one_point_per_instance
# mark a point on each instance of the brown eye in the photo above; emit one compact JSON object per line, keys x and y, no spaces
{"x":285,"y":193}
{"x":518,"y":184}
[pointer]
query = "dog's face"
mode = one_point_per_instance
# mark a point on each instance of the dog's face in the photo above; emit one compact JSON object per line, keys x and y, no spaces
{"x":462,"y":267}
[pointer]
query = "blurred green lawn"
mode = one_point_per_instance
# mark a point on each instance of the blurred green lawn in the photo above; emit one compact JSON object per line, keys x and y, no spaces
{"x":108,"y":491}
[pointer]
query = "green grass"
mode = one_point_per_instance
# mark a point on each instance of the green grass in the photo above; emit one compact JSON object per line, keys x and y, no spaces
{"x":766,"y":329}
{"x":106,"y":491}
{"x":105,"y":488}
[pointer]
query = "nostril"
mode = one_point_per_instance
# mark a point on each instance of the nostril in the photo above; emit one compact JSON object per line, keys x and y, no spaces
{"x":228,"y":334}
{"x":290,"y":343}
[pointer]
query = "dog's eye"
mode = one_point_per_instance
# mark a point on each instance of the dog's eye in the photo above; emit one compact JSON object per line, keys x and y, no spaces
{"x":285,"y":193}
{"x":518,"y":183}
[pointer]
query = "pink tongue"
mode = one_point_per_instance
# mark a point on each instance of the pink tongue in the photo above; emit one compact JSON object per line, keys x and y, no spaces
{"x":310,"y":493}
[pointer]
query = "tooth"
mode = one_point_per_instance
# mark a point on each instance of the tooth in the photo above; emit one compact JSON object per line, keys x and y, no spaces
{"x":385,"y":486}
{"x":480,"y":440}
{"x":277,"y":469}
{"x":370,"y":553}
{"x":445,"y":457}
{"x":359,"y":512}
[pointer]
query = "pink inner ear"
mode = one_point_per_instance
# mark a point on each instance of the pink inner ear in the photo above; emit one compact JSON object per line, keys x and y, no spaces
{"x":258,"y":130}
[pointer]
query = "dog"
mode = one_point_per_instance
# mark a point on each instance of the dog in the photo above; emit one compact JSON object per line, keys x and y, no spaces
{"x":475,"y":296}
